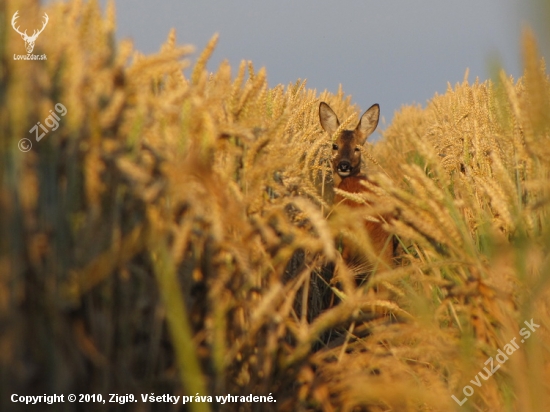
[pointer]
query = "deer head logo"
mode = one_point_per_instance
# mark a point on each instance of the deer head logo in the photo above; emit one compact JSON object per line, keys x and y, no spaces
{"x":29,"y":40}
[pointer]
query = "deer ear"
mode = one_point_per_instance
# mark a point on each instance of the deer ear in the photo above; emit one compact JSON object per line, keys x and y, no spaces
{"x":328,"y":118}
{"x":368,"y":122}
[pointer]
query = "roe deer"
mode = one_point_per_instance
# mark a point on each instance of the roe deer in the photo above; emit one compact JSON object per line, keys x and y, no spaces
{"x":346,"y":167}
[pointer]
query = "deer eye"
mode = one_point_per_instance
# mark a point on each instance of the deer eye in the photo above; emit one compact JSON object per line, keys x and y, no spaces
{"x":357,"y":149}
{"x":334,"y":146}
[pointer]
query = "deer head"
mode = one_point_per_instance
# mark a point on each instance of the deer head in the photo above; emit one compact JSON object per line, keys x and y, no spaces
{"x":29,"y":40}
{"x":346,"y":147}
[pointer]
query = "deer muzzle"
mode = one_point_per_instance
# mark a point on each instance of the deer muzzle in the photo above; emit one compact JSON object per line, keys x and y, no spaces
{"x":344,"y":168}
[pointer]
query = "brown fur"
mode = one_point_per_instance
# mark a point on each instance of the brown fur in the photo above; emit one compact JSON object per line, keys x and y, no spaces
{"x":382,"y":245}
{"x":346,"y":166}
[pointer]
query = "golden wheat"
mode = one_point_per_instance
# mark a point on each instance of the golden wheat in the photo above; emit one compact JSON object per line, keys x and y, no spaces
{"x":186,"y":224}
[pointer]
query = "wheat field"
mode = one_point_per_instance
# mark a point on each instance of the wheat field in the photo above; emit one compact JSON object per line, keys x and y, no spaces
{"x":176,"y":234}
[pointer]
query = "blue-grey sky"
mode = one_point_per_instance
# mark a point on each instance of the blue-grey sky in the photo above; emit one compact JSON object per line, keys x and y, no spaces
{"x":392,"y":52}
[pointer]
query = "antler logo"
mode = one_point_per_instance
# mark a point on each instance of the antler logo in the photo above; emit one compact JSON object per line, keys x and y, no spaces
{"x":29,"y":40}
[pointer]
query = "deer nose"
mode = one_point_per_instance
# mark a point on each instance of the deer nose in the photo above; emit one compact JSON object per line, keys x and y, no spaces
{"x":344,"y":166}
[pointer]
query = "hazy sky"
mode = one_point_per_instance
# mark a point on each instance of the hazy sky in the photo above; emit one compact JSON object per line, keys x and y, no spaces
{"x":391,"y":52}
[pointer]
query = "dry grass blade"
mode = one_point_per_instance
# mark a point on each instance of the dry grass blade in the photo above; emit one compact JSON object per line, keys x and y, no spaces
{"x":181,"y":237}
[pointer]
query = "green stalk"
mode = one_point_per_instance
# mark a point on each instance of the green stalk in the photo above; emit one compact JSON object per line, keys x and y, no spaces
{"x":180,"y":329}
